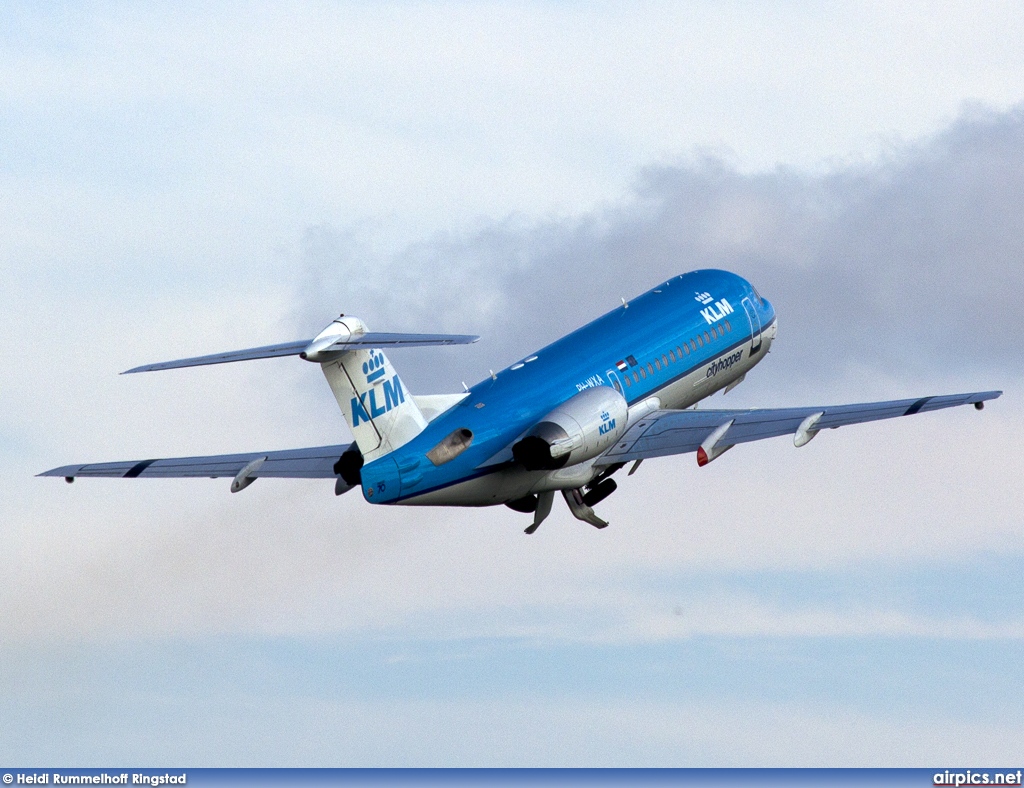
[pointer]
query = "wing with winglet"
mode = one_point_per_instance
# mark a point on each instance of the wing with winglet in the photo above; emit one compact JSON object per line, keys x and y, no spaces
{"x":711,"y":432}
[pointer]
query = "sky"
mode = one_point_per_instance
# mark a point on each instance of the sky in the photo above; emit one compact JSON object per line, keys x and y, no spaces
{"x":190,"y":179}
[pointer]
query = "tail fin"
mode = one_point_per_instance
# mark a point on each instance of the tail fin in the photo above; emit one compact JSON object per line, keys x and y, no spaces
{"x":379,"y":409}
{"x":375,"y":402}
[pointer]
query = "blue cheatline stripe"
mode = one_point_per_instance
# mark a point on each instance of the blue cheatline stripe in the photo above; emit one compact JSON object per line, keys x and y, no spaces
{"x":138,"y":468}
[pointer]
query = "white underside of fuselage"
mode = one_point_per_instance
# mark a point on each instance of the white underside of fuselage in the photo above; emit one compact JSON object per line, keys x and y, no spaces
{"x":509,"y":484}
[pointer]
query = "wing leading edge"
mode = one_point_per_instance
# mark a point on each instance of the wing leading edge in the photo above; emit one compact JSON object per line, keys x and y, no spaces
{"x":313,"y":463}
{"x":667,"y":432}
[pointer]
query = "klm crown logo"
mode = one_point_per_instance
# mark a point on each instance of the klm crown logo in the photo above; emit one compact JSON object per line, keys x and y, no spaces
{"x":373,"y":368}
{"x":607,"y":423}
{"x":366,"y":406}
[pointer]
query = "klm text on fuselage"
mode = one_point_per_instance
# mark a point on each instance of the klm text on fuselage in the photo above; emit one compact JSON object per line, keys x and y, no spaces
{"x":716,"y":311}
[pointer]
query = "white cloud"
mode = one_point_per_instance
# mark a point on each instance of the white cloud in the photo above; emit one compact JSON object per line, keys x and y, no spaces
{"x":434,"y":114}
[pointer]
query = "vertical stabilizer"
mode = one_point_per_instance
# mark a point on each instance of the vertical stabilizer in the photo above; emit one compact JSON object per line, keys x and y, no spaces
{"x":378,"y":408}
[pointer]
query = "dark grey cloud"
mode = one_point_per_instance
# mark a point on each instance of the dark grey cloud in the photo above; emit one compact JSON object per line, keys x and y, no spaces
{"x":911,"y":265}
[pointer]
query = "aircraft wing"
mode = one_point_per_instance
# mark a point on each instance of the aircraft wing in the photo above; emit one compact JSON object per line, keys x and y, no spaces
{"x":313,"y":463}
{"x":666,"y":432}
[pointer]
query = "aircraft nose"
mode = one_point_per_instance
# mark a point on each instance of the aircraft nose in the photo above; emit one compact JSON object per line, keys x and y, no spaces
{"x":769,"y":318}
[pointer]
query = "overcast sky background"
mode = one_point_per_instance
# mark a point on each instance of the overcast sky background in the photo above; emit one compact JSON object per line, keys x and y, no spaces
{"x":189,"y":180}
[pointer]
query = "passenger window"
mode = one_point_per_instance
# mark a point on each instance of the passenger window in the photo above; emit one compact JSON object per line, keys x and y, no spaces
{"x":707,"y":338}
{"x":700,"y":342}
{"x":686,"y":349}
{"x":671,"y":355}
{"x":727,"y":326}
{"x":650,"y":368}
{"x":664,"y":359}
{"x":635,"y":378}
{"x":627,"y":382}
{"x":657,"y":363}
{"x":643,"y":372}
{"x":693,"y":347}
{"x":615,"y":383}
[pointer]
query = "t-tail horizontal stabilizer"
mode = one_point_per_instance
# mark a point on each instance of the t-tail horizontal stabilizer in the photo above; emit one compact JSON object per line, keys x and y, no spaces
{"x":338,"y":337}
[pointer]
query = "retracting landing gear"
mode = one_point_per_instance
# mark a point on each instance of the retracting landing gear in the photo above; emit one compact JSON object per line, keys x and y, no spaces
{"x":540,"y":514}
{"x":580,"y":502}
{"x":580,"y":510}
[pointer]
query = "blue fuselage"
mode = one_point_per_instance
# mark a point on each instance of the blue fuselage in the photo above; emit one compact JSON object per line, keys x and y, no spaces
{"x":680,"y":342}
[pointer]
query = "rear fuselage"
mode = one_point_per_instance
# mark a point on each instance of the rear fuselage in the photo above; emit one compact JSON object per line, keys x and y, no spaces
{"x":668,"y":348}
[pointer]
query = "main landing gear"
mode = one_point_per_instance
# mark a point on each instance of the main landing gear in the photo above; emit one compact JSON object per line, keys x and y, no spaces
{"x":581,"y":501}
{"x":581,"y":510}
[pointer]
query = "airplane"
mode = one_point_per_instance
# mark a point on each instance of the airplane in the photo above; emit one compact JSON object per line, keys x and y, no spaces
{"x":621,"y":389}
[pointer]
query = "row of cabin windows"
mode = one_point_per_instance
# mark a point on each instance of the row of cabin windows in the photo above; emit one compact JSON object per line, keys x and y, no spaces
{"x":685,"y":349}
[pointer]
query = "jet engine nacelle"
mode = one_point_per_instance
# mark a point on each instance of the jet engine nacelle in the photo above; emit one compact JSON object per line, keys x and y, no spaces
{"x":577,"y":430}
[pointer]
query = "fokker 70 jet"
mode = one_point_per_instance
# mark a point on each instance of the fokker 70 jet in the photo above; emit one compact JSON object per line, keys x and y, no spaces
{"x":562,"y":420}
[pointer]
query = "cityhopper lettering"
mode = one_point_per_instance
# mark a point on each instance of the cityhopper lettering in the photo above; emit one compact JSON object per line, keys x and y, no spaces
{"x":723,"y":364}
{"x":717,"y":310}
{"x":366,"y":407}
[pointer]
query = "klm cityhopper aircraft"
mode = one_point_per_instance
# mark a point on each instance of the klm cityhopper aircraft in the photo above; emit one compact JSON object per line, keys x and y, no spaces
{"x":563,"y":419}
